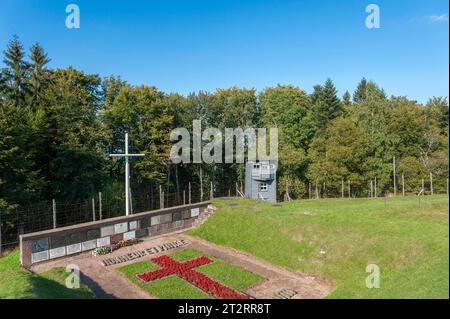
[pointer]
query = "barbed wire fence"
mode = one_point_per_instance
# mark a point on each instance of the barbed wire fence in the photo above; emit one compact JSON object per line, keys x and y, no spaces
{"x":55,"y":214}
{"x":48,"y":215}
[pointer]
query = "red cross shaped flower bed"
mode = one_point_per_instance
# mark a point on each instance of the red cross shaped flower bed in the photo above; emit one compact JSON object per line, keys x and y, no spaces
{"x":185,"y":271}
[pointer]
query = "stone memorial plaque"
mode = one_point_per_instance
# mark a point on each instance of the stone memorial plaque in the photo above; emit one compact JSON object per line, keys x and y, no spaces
{"x":133,"y":225}
{"x":77,"y":238}
{"x":153,"y":230}
{"x":145,"y":222}
{"x":89,"y":245}
{"x":176,"y":216}
{"x":178,"y":224}
{"x":186,"y":214}
{"x":195,"y":212}
{"x":129,"y":235}
{"x":120,"y":228}
{"x":143,"y":232}
{"x":39,"y":245}
{"x":93,"y":234}
{"x":105,"y":241}
{"x":107,"y":231}
{"x":39,"y":256}
{"x":73,"y":249}
{"x":116,"y":238}
{"x":58,"y":241}
{"x":167,"y":218}
{"x":57,"y":252}
{"x":156,"y":220}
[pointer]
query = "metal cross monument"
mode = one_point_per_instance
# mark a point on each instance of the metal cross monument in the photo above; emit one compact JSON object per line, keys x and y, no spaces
{"x":127,"y":173}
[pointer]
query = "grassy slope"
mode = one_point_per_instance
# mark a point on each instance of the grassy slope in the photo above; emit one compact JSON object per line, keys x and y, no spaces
{"x":175,"y":288}
{"x":410,"y":243}
{"x":16,"y":283}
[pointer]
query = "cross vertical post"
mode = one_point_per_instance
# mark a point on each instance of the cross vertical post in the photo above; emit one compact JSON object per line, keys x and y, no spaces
{"x":127,"y":155}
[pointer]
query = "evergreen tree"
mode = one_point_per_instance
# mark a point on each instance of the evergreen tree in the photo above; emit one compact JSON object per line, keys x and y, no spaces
{"x":38,"y":72}
{"x":328,"y":106}
{"x":360,"y":93}
{"x":346,"y":99}
{"x":16,"y":72}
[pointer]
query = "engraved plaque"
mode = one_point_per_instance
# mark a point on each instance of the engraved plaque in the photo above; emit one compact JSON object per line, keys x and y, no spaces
{"x":176,"y":216}
{"x":156,"y":220}
{"x":195,"y":212}
{"x":141,"y":232}
{"x":166,"y":218}
{"x":57,"y":252}
{"x":92,"y":234}
{"x":133,"y":225}
{"x":186,"y":214}
{"x":73,"y":249}
{"x":105,"y":241}
{"x":76,"y":238}
{"x":145,"y":222}
{"x":120,"y":228}
{"x":40,"y":256}
{"x":39,"y":245}
{"x":107,"y":231}
{"x":89,"y":245}
{"x":58,"y":241}
{"x":129,"y":235}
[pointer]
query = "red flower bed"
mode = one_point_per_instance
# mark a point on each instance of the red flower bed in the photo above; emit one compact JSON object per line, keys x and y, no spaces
{"x":185,"y":271}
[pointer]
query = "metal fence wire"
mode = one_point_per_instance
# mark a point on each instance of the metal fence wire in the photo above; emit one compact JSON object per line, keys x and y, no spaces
{"x":48,"y":215}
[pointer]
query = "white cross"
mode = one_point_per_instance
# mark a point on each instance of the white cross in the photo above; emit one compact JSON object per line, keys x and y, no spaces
{"x":127,"y":173}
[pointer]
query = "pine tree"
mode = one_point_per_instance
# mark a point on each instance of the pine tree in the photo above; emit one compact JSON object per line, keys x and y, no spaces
{"x":16,"y":71}
{"x":328,"y":105}
{"x":360,"y":94}
{"x":346,"y":98}
{"x":38,"y":72}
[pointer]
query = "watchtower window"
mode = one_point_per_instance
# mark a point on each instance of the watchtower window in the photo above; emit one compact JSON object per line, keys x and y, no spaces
{"x":263,"y":187}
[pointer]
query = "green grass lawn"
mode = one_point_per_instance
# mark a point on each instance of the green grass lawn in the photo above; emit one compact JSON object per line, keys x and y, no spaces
{"x":338,"y":238}
{"x":173,"y":287}
{"x":16,"y":283}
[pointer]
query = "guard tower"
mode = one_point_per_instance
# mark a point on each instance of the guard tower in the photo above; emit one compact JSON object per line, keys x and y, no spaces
{"x":261,"y":180}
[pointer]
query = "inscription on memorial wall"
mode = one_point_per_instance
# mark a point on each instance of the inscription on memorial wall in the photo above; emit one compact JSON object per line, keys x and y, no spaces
{"x":144,"y":252}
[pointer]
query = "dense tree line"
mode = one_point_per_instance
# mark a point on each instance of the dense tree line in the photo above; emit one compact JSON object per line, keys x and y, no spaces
{"x":57,"y":127}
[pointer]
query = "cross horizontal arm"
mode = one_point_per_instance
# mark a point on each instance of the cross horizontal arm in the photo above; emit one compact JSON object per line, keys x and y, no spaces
{"x":123,"y":155}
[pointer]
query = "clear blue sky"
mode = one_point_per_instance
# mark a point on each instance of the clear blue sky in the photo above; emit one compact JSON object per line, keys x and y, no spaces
{"x":190,"y":45}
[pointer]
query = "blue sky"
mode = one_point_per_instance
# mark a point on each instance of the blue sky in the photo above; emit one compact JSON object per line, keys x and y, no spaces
{"x":184,"y":46}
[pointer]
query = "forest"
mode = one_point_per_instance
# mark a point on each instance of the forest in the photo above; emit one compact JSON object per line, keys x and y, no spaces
{"x":58,"y":127}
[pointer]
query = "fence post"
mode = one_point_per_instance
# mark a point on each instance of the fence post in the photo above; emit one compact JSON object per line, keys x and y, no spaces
{"x":375,"y":181}
{"x":371,"y":188}
{"x":349,"y":189}
{"x":229,"y":192}
{"x":395,"y":179}
{"x":161,"y":204}
{"x":423,"y":185}
{"x":162,"y":201}
{"x":211,"y":191}
{"x":0,"y":233}
{"x":317,"y":190}
{"x":93,"y":209}
{"x":309,"y":190}
{"x":54,"y":213}
{"x":403,"y":184}
{"x":342,"y":188}
{"x":100,"y":205}
{"x":184,"y":197}
{"x":431,"y":183}
{"x":189,"y":192}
